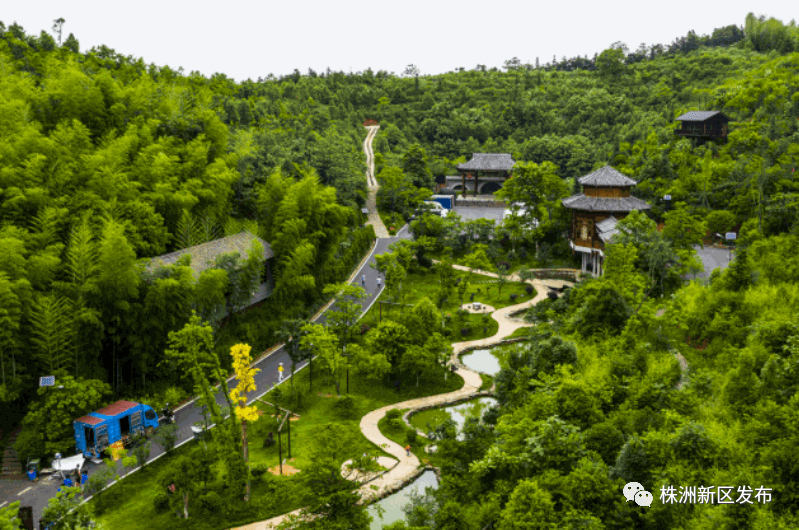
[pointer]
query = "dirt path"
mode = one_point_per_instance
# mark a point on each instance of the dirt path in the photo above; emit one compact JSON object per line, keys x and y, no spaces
{"x":373,"y":186}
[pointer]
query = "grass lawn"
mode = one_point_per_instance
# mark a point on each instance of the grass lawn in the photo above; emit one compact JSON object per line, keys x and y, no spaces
{"x":398,"y":434}
{"x":438,"y":416}
{"x":129,"y":504}
{"x":488,"y":380}
{"x":521,"y":332}
{"x":420,"y":285}
{"x":518,"y":264}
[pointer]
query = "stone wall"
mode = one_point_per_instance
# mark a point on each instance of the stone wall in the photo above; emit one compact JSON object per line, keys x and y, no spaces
{"x":394,"y":488}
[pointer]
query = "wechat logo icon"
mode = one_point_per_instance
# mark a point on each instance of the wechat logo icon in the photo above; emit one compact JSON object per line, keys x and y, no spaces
{"x":635,"y":491}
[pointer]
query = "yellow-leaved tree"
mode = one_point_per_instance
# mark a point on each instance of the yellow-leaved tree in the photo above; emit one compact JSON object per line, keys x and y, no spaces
{"x":246,"y":382}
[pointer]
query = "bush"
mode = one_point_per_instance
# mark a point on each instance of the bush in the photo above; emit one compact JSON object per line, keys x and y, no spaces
{"x":210,"y":502}
{"x":513,"y":297}
{"x":528,"y":289}
{"x":411,"y":437}
{"x":393,"y":413}
{"x":345,"y":407}
{"x":465,"y":331}
{"x":161,"y":502}
{"x":258,"y":471}
{"x":365,"y":329}
{"x":425,"y":261}
{"x":396,"y":423}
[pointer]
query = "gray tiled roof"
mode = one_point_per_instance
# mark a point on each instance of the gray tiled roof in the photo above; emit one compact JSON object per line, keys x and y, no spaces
{"x":489,"y":162}
{"x":203,"y":256}
{"x":607,"y":228}
{"x":699,"y":115}
{"x":606,"y":176}
{"x":607,"y":224}
{"x":605,"y":204}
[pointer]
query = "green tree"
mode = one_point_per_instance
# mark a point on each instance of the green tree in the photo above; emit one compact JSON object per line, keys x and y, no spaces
{"x":343,"y":316}
{"x":610,"y":63}
{"x":47,"y":427}
{"x":537,"y":188}
{"x":529,"y":507}
{"x":326,"y":348}
{"x":191,"y":351}
{"x":167,"y":436}
{"x":417,"y":360}
{"x":118,"y":285}
{"x":65,"y":511}
{"x":414,"y":164}
{"x":290,"y":334}
{"x":720,"y":221}
{"x":10,"y":313}
{"x":8,"y":516}
{"x":391,"y":339}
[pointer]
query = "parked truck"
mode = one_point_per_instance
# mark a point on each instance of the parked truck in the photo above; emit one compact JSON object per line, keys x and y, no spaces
{"x":116,"y":422}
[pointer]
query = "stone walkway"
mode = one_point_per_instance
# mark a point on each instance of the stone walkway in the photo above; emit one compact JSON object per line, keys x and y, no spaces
{"x":407,"y":466}
{"x":373,"y":186}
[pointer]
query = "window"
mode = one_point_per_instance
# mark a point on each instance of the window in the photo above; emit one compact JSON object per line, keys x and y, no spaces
{"x":149,"y":414}
{"x":584,"y":231}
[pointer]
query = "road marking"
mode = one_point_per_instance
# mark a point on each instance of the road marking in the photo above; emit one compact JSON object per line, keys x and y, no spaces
{"x":1,"y":505}
{"x":23,"y":491}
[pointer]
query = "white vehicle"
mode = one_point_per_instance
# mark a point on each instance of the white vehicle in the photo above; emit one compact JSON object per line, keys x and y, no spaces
{"x":518,"y":210}
{"x":435,"y":207}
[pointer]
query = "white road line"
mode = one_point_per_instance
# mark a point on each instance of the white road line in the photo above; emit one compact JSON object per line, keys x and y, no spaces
{"x":23,"y":491}
{"x":1,"y":505}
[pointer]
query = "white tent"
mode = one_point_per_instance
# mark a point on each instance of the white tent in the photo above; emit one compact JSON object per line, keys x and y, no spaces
{"x":69,"y":463}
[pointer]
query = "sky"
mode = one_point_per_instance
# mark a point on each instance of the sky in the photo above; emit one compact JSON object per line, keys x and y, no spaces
{"x":249,"y":39}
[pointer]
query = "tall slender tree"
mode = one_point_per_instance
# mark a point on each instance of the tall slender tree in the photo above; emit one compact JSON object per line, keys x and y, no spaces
{"x":246,"y":383}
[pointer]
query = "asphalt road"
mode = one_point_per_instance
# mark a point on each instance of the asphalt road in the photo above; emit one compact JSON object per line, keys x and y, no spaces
{"x":712,"y":258}
{"x":37,"y":494}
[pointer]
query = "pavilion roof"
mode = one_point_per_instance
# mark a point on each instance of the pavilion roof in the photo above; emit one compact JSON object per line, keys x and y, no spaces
{"x":701,"y":115}
{"x":605,"y":204}
{"x":489,"y":162}
{"x":606,"y":176}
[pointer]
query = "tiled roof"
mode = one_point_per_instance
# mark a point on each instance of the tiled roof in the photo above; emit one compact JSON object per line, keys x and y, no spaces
{"x":607,"y":228}
{"x":605,"y":204}
{"x":203,"y":256}
{"x":117,"y":408}
{"x":700,"y":115}
{"x":89,"y":420}
{"x":606,"y":176}
{"x":489,"y":162}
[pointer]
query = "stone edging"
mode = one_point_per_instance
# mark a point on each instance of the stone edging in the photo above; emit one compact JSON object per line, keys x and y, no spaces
{"x":460,"y":399}
{"x":456,"y":357}
{"x":394,"y":488}
{"x":396,"y":463}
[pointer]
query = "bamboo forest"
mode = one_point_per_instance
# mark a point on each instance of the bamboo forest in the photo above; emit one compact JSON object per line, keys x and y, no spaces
{"x":558,"y":295}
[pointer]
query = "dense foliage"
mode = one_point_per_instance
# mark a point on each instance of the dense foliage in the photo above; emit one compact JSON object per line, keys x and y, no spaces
{"x":106,"y":161}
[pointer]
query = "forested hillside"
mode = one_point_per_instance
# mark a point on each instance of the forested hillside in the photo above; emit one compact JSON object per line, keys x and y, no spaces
{"x":106,"y":161}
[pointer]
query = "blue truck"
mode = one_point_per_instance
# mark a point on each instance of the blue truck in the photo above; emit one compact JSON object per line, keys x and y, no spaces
{"x":116,"y":422}
{"x":444,"y":200}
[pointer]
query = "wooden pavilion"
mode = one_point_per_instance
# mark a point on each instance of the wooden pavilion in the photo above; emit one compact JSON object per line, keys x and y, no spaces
{"x":484,"y":173}
{"x":604,"y":201}
{"x":703,"y":124}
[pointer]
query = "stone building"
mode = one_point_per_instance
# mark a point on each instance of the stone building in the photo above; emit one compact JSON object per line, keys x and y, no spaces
{"x":604,"y":201}
{"x":483,"y":174}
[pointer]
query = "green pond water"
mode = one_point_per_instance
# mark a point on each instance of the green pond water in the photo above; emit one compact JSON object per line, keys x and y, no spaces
{"x":459,"y":413}
{"x":393,"y":504}
{"x":482,"y":361}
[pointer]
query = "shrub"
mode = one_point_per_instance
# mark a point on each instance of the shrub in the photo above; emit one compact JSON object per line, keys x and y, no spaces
{"x":528,"y":289}
{"x":465,"y":331}
{"x":513,"y":297}
{"x":393,"y":413}
{"x":411,"y":436}
{"x":161,"y":502}
{"x":258,"y":471}
{"x":210,"y":502}
{"x":345,"y":407}
{"x":425,"y":261}
{"x":365,"y":329}
{"x":396,"y":423}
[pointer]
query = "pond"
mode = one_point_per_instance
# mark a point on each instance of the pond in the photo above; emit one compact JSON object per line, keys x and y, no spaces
{"x":482,"y":361}
{"x":394,"y":503}
{"x":459,"y":413}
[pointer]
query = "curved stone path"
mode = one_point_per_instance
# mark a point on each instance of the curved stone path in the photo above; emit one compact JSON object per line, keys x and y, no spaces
{"x":373,"y":186}
{"x":407,"y":466}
